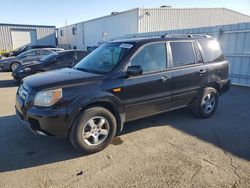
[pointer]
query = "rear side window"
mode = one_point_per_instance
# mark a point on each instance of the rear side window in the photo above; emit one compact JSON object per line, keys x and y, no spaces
{"x":211,"y":50}
{"x":45,"y":52}
{"x":81,"y":55}
{"x":182,"y":53}
{"x":152,"y":57}
{"x":67,"y":58}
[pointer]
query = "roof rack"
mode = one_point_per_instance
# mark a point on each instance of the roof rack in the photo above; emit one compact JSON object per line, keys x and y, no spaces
{"x":186,"y":36}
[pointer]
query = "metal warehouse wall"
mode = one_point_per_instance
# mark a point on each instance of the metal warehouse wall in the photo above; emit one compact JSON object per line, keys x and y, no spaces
{"x":93,"y":32}
{"x":234,"y":39}
{"x":45,"y":35}
{"x":162,"y":19}
{"x":68,"y":40}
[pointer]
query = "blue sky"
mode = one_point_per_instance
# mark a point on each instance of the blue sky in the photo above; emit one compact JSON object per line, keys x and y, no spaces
{"x":52,"y":12}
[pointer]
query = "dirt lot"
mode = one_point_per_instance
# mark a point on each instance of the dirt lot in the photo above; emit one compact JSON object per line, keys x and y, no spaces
{"x":169,"y":150}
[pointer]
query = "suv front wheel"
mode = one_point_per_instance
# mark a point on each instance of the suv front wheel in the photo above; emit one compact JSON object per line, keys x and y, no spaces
{"x":205,"y":104}
{"x":93,"y":130}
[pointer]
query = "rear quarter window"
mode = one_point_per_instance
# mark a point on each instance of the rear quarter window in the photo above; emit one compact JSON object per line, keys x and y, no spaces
{"x":211,"y":51}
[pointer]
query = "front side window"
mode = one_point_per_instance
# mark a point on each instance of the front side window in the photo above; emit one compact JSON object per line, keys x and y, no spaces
{"x":182,"y":53}
{"x":151,"y":58}
{"x":28,"y":54}
{"x":105,"y":58}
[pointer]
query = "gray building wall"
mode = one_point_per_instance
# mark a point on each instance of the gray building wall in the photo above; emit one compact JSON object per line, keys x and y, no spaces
{"x":140,"y":20}
{"x":162,"y":19}
{"x":234,"y":40}
{"x":45,"y":35}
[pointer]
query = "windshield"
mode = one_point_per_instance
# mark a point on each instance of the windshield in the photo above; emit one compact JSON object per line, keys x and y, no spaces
{"x":50,"y":57}
{"x":105,"y":58}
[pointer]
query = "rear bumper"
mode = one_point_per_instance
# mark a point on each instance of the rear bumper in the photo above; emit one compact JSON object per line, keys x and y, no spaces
{"x":224,"y":86}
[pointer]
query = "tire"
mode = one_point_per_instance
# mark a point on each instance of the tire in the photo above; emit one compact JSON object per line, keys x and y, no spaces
{"x":84,"y":124}
{"x":201,"y":108}
{"x":14,"y":65}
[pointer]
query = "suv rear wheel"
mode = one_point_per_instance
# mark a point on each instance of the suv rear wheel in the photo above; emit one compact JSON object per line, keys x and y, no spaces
{"x":93,"y":130}
{"x":205,"y":103}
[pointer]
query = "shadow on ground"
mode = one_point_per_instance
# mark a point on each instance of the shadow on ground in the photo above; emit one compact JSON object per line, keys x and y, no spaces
{"x":228,"y":129}
{"x":8,"y":83}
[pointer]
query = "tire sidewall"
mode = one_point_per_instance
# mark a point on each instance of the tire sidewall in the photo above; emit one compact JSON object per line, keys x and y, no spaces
{"x":13,"y":64}
{"x":82,"y":119}
{"x":205,"y":93}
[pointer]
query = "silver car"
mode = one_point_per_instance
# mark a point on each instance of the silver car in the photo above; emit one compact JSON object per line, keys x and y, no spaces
{"x":12,"y":63}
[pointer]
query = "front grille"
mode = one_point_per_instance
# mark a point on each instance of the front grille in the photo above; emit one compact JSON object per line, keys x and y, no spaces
{"x":22,"y":93}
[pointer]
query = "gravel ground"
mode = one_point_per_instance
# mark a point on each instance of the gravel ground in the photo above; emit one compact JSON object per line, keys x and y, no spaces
{"x":173,"y":149}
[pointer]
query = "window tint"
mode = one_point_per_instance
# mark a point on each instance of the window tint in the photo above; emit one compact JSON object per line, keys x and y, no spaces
{"x":212,"y":51}
{"x":151,"y":58}
{"x":182,"y":53}
{"x":67,"y":58}
{"x":45,"y":52}
{"x":81,"y":55}
{"x":31,"y":53}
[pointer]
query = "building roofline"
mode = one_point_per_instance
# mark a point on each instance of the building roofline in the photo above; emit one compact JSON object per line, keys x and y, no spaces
{"x":163,"y":8}
{"x":118,"y":13}
{"x":24,"y":25}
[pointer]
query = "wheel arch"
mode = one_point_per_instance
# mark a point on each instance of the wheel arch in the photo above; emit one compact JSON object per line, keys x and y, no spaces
{"x":14,"y":62}
{"x":107,"y":104}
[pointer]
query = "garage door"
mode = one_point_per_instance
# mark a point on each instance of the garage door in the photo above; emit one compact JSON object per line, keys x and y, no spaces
{"x":23,"y":37}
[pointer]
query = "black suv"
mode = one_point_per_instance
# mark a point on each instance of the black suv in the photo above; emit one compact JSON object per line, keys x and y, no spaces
{"x":122,"y":81}
{"x":55,"y":60}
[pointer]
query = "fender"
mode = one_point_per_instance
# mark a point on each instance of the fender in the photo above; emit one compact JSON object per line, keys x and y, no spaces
{"x":103,"y":99}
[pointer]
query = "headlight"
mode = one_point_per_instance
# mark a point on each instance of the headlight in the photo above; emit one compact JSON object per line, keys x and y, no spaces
{"x":47,"y":98}
{"x":25,"y":70}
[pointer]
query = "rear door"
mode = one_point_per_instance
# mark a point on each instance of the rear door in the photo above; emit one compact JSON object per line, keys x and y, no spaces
{"x":187,"y":71}
{"x":149,"y":93}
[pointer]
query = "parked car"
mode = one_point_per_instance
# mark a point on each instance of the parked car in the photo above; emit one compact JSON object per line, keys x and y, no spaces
{"x":12,"y":63}
{"x":122,"y":81}
{"x":56,"y":60}
{"x":26,"y":48}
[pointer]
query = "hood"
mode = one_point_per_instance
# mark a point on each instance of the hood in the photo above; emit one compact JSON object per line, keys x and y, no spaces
{"x":60,"y":78}
{"x":8,"y":60}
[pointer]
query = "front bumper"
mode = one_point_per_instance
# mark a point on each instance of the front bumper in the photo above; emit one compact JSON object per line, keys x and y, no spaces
{"x":4,"y":67}
{"x":51,"y":122}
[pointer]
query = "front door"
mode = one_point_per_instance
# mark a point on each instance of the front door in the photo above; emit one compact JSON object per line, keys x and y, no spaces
{"x":149,"y":93}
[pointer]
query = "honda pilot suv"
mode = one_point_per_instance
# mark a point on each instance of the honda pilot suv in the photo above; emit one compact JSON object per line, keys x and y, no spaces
{"x":122,"y":81}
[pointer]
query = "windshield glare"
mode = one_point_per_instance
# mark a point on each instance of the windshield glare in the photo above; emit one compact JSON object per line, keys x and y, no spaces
{"x":105,"y":58}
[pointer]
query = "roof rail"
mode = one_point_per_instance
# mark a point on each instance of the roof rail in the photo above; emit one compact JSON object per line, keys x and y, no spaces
{"x":185,"y":36}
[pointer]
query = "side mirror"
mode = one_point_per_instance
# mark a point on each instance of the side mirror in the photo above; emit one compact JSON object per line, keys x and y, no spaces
{"x":134,"y":70}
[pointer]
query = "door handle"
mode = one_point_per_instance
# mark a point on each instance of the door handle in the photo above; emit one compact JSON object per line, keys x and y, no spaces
{"x":203,"y":71}
{"x":165,"y":78}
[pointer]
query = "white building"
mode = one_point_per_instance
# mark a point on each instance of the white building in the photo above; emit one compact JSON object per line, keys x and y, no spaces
{"x":140,"y":20}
